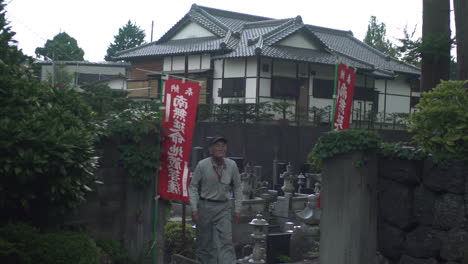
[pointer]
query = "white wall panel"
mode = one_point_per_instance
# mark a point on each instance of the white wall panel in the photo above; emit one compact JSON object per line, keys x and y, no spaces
{"x":398,"y":86}
{"x":251,"y":88}
{"x":218,"y":69}
{"x":178,"y":63}
{"x":397,"y":104}
{"x":265,"y":87}
{"x":167,"y":63}
{"x":192,"y":30}
{"x":298,"y":41}
{"x":194,"y":62}
{"x":251,"y":67}
{"x":206,"y":59}
{"x":234,"y":68}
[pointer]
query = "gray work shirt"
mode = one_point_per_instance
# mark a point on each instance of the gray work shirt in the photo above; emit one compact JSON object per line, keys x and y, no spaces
{"x":208,"y":184}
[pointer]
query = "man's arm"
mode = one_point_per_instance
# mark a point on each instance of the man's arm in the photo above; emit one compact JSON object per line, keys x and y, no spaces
{"x":194,"y":192}
{"x":237,"y":193}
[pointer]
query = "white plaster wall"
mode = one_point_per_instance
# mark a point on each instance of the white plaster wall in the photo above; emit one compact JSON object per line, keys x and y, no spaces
{"x":251,"y":67}
{"x":251,"y":90}
{"x":284,"y":68}
{"x":234,"y":68}
{"x":206,"y":61}
{"x":194,"y":62}
{"x":167,"y":63}
{"x":298,"y":41}
{"x":218,"y":69}
{"x":398,"y":104}
{"x":178,"y":63}
{"x":398,"y":86}
{"x":380,"y":85}
{"x":119,"y":84}
{"x":265,"y":87}
{"x":192,"y":30}
{"x":45,"y":71}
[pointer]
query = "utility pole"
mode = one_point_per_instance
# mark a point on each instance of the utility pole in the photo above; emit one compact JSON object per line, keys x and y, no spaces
{"x":152,"y":27}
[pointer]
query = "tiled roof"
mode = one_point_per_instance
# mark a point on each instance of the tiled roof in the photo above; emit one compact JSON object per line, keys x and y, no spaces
{"x":179,"y":46}
{"x":83,"y":63}
{"x":243,"y":35}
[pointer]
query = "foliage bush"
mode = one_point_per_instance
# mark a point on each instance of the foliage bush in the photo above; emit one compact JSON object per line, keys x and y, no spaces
{"x":65,"y":247}
{"x":117,"y":253}
{"x":132,"y":127}
{"x":343,"y":141}
{"x":46,"y":141}
{"x":22,"y":243}
{"x":174,"y":243}
{"x":441,"y":124}
{"x":104,"y":100}
{"x":16,"y":241}
{"x":398,"y":150}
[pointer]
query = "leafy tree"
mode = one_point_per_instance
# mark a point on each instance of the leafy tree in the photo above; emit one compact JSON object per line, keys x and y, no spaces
{"x":376,"y":38}
{"x":46,"y":141}
{"x":62,"y":47}
{"x":441,"y":124}
{"x":129,"y":36}
{"x":410,"y":48}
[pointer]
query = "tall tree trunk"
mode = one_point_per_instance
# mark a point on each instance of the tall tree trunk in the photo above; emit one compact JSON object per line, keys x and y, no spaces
{"x":435,"y":43}
{"x":461,"y":25}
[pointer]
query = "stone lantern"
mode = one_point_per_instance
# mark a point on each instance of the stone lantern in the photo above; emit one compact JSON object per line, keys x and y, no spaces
{"x":258,"y":236}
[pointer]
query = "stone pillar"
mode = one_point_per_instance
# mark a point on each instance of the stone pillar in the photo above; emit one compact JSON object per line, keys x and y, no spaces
{"x":349,"y":209}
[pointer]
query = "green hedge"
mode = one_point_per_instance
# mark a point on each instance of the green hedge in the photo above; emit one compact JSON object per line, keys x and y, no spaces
{"x":21,"y":243}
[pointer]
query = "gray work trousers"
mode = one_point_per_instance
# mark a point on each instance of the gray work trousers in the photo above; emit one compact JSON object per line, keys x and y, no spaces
{"x":214,"y":233}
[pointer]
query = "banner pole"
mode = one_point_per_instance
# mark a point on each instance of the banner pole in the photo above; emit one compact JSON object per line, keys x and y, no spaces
{"x":335,"y":83}
{"x":156,"y":197}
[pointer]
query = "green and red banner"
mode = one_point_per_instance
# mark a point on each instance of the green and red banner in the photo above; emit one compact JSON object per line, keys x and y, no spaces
{"x":344,"y":97}
{"x":178,"y":123}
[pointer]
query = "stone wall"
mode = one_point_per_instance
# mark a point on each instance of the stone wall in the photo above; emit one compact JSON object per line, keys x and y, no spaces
{"x":117,"y":210}
{"x":422,"y":212}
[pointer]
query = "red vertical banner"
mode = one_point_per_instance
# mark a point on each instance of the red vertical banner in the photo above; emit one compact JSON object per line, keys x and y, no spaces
{"x":179,"y":115}
{"x":344,"y":97}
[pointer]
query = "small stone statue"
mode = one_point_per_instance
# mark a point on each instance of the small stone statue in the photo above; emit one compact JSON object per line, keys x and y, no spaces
{"x":288,"y":177}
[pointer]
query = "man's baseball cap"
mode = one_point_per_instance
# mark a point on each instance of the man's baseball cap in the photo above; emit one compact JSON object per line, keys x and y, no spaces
{"x":216,"y":139}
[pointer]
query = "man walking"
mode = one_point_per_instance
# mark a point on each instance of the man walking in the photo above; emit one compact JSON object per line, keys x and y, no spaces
{"x":210,"y":190}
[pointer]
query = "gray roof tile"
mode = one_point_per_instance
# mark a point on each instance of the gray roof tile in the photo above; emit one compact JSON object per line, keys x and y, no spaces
{"x":252,"y":29}
{"x":180,"y":46}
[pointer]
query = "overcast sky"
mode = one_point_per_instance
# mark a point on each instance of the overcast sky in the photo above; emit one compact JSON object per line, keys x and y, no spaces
{"x":93,"y":23}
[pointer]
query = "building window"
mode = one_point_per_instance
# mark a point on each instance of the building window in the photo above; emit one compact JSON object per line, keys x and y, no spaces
{"x":233,"y":87}
{"x":265,"y":67}
{"x":364,"y":94}
{"x":284,"y":87}
{"x":323,"y":88}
